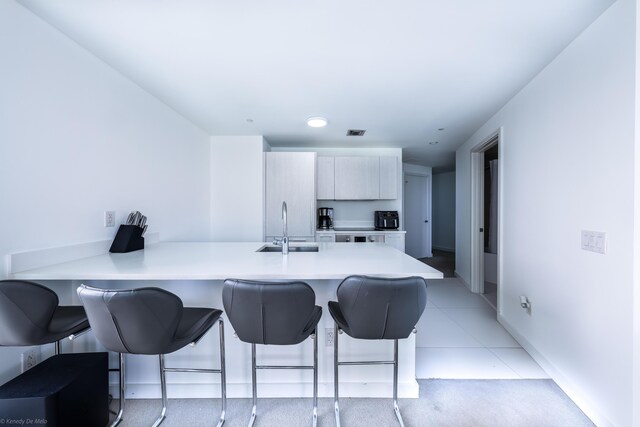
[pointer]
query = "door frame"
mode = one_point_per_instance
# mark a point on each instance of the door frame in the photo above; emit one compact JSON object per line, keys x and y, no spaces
{"x":477,"y":210}
{"x":427,"y":249}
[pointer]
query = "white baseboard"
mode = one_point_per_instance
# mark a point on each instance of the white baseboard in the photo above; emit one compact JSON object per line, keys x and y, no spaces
{"x":406,"y":390}
{"x":565,"y":384}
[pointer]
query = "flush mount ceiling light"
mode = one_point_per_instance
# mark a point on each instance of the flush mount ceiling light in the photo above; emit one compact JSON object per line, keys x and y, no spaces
{"x":317,"y":122}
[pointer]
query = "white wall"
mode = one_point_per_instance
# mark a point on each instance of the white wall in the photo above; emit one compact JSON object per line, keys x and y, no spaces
{"x":444,"y":211}
{"x":417,"y":169}
{"x":636,"y":238}
{"x":568,"y":152}
{"x":237,"y":188}
{"x":358,"y":212}
{"x":76,"y":139}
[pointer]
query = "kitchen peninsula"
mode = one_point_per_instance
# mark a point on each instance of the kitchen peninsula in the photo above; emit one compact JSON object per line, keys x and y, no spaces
{"x":195,"y":272}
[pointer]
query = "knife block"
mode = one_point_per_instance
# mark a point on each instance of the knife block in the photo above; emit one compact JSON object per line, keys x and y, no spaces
{"x":128,"y":239}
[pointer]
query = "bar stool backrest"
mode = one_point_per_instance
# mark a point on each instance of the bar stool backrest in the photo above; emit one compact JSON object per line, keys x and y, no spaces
{"x":26,"y":308}
{"x":269,"y":313}
{"x":137,"y":321}
{"x":378,"y":308}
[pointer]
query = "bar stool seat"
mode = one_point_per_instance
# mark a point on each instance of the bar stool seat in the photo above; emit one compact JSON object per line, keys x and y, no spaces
{"x":30,"y":315}
{"x":273,"y":313}
{"x":373,"y":308}
{"x":150,"y":321}
{"x":195,"y":322}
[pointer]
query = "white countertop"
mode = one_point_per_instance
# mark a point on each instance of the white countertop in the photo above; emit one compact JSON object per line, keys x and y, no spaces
{"x":359,"y":231}
{"x":219,"y":261}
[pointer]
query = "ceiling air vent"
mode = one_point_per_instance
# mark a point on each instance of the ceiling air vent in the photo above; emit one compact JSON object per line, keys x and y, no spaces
{"x":355,"y":132}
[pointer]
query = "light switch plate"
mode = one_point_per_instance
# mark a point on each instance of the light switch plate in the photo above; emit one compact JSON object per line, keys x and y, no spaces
{"x":594,"y":241}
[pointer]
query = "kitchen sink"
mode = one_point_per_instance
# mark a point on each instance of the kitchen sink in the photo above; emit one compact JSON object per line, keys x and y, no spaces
{"x":291,"y":249}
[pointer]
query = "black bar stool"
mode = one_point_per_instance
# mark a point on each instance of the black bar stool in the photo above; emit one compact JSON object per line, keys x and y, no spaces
{"x":281,"y":313}
{"x":30,"y":315}
{"x":373,"y":308}
{"x":150,"y":321}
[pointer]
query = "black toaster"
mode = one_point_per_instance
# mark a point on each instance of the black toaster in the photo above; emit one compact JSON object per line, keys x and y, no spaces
{"x":386,"y":220}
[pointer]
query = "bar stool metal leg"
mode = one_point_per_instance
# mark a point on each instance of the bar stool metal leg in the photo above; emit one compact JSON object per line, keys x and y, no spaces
{"x":254,"y":383}
{"x":336,"y":364}
{"x":315,"y":378}
{"x":223,"y":375}
{"x":395,"y":383}
{"x":163,"y":386}
{"x":254,"y":386}
{"x":122,"y":391}
{"x":57,"y":348}
{"x":335,"y":374}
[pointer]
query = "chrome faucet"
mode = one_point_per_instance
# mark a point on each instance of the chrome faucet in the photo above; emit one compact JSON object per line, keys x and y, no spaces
{"x":285,"y":238}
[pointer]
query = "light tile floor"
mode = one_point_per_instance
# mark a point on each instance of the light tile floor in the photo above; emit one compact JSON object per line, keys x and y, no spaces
{"x":460,"y":338}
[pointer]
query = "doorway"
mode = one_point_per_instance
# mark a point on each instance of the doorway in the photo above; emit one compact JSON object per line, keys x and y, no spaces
{"x":486,"y":221}
{"x":417,"y":215}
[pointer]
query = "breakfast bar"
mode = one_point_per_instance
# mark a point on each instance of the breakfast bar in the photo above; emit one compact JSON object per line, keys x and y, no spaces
{"x":195,"y":272}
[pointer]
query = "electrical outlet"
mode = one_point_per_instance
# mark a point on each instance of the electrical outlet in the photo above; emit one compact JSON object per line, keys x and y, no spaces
{"x":109,"y":218}
{"x":329,"y":337}
{"x":29,"y":359}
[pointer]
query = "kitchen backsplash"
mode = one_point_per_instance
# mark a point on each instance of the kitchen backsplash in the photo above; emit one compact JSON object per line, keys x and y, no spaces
{"x":358,"y":213}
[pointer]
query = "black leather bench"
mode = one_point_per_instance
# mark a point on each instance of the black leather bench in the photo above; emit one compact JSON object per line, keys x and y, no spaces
{"x":66,"y":390}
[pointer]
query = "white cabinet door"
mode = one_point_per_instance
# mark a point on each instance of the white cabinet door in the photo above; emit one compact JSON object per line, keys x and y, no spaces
{"x":388,"y":177}
{"x":290,"y":177}
{"x":357,"y":178}
{"x":395,"y":240}
{"x":326,"y":170}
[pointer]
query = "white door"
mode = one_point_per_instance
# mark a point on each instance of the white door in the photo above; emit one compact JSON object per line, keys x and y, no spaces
{"x":417,"y":215}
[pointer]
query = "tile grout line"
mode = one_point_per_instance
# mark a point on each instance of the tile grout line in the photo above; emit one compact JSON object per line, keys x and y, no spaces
{"x":524,"y":378}
{"x":463,"y":330}
{"x":481,"y":345}
{"x":505,"y":363}
{"x":509,"y":368}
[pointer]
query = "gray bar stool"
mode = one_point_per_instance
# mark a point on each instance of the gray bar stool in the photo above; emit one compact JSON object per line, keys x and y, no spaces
{"x":281,"y":313}
{"x":30,"y":315}
{"x":150,"y":321}
{"x":373,"y":308}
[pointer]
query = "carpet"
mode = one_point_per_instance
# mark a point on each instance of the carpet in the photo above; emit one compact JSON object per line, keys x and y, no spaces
{"x":477,"y":403}
{"x":442,"y":261}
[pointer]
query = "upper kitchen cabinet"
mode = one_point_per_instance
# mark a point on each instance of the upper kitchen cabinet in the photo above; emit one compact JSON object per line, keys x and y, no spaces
{"x":357,"y":178}
{"x":290,"y":177}
{"x":388,"y":177}
{"x":326,"y":178}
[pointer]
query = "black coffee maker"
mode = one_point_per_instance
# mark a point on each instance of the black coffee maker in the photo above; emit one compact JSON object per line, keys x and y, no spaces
{"x":325,"y":218}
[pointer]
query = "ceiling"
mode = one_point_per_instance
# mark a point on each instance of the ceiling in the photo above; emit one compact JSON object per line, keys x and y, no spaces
{"x":401,"y":70}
